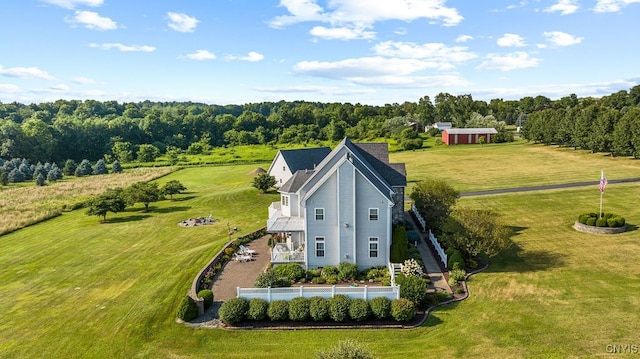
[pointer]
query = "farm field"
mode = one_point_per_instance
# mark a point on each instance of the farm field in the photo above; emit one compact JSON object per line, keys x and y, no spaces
{"x":74,"y":288}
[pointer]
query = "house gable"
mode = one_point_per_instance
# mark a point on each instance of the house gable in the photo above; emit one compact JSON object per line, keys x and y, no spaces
{"x":288,"y":162}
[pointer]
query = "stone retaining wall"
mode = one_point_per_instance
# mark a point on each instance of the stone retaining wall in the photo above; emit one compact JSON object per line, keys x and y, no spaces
{"x":598,"y":230}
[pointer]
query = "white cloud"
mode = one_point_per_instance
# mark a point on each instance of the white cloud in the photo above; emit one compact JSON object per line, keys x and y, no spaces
{"x":508,"y":62}
{"x":60,"y":88}
{"x":464,"y":38}
{"x":123,"y":48}
{"x":71,"y":4}
{"x":363,"y":14}
{"x":612,"y":5}
{"x":437,"y":52}
{"x":342,"y":33}
{"x":92,"y":20}
{"x":84,"y":80}
{"x":400,"y":31}
{"x":325,"y":90}
{"x":565,"y":7}
{"x":362,"y":67}
{"x":558,"y":90}
{"x":201,"y":55}
{"x":559,"y":38}
{"x":9,"y":89}
{"x":182,"y":22}
{"x":252,"y":56}
{"x":511,"y":40}
{"x":392,"y":81}
{"x":25,"y":72}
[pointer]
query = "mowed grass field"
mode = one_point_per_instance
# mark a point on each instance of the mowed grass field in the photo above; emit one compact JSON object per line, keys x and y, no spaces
{"x":74,"y":288}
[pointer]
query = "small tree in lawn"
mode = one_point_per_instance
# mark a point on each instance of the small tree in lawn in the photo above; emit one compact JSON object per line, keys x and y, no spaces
{"x":434,"y":199}
{"x":263,"y":182}
{"x":100,"y":168}
{"x":476,"y":231}
{"x":116,"y":167}
{"x":112,"y":200}
{"x":145,"y":193}
{"x":173,"y":187}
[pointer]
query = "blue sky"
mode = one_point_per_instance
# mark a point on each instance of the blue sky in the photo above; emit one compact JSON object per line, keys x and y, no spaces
{"x":359,"y":51}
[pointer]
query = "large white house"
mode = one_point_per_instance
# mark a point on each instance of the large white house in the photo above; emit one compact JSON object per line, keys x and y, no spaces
{"x":340,"y":211}
{"x":288,"y":162}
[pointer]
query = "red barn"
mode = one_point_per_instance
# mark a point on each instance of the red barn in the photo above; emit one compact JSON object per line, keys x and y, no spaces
{"x":462,"y":136}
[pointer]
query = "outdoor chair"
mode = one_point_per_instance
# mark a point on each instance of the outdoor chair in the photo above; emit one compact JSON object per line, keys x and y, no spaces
{"x":245,"y":250}
{"x":241,"y":257}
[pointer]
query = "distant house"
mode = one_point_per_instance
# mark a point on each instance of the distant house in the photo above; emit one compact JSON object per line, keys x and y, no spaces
{"x":441,"y":126}
{"x":417,"y":126}
{"x":458,"y":136}
{"x":341,"y":211}
{"x":288,"y":162}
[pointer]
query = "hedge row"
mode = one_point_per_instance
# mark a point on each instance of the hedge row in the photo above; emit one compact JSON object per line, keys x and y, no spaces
{"x":338,"y":308}
{"x":603,"y":220}
{"x":284,"y":275}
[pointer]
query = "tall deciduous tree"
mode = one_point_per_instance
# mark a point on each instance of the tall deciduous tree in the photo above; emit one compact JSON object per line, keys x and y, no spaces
{"x":143,"y":192}
{"x":147,"y":153}
{"x":434,"y":200}
{"x":173,"y":187}
{"x":112,"y":200}
{"x":476,"y":231}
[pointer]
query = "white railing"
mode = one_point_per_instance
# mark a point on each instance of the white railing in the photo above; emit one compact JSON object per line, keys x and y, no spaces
{"x":287,"y":257}
{"x":423,"y":223}
{"x":392,"y":272}
{"x":288,"y":293}
{"x":438,"y":247}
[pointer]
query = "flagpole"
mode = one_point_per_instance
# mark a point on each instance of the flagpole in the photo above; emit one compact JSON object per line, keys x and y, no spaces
{"x":600,"y":213}
{"x":603,"y":183}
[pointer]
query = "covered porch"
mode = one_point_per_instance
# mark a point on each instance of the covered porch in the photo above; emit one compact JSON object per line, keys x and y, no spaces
{"x":288,"y":240}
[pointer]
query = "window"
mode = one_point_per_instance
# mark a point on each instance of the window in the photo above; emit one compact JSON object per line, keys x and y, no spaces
{"x":319,"y":246}
{"x":284,"y":169}
{"x":285,"y":200}
{"x":319,"y":214}
{"x":373,"y":247}
{"x":373,"y":214}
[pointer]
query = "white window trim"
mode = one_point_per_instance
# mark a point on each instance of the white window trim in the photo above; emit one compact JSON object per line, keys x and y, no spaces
{"x":377,"y":214}
{"x":315,"y":212}
{"x":320,"y":240}
{"x":285,"y":201}
{"x":375,"y":240}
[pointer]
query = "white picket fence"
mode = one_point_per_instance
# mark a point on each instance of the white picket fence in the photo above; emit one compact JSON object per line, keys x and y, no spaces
{"x":438,"y":247}
{"x":288,"y":293}
{"x":423,"y":223}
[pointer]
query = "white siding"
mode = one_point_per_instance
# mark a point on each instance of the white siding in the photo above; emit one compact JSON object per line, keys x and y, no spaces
{"x":346,"y":224}
{"x":325,"y":197}
{"x":280,"y":170}
{"x":368,"y":197}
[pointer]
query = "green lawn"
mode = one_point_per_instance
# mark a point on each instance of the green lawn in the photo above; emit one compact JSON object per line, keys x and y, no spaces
{"x":74,"y":288}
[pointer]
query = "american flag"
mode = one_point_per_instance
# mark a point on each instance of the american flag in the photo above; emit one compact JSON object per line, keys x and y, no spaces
{"x":603,"y":182}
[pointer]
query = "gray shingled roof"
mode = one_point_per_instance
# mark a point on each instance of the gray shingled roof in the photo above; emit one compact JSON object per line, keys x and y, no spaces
{"x":304,"y":158}
{"x":296,"y":181}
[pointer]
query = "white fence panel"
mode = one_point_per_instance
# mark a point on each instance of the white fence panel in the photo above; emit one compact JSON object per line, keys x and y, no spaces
{"x":438,"y":247}
{"x":366,"y":292}
{"x":423,"y":223}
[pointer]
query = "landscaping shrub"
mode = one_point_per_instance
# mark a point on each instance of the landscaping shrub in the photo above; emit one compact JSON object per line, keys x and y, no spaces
{"x":583,"y":218}
{"x":458,"y":274}
{"x":399,"y":244}
{"x":313,"y":273}
{"x":207,"y":296}
{"x":359,"y":309}
{"x":403,"y":310}
{"x":270,"y":279}
{"x":318,"y":308}
{"x":229,"y":251}
{"x":187,"y":310}
{"x":442,"y":296}
{"x":607,"y":215}
{"x":601,"y":222}
{"x":291,"y":271}
{"x":347,"y":349}
{"x":380,"y":307}
{"x":616,"y":221}
{"x":413,"y":289}
{"x":329,"y":271}
{"x":318,"y":280}
{"x":332,"y":279}
{"x":278,"y":310}
{"x":459,"y":291}
{"x":591,"y":221}
{"x":472,"y":263}
{"x":411,"y":267}
{"x":339,"y":307}
{"x":233,"y":310}
{"x":456,"y":260}
{"x":348,"y":271}
{"x":299,"y":309}
{"x":257,"y":309}
{"x":452,"y":282}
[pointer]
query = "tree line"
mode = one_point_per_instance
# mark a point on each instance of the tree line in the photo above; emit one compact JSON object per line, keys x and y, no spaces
{"x":610,"y":124}
{"x":110,"y":130}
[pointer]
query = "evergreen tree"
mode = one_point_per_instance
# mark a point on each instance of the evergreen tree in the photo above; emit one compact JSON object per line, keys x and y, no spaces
{"x":84,"y":169}
{"x":100,"y":168}
{"x":54,"y":174}
{"x":4,"y":178}
{"x":116,"y":167}
{"x":16,"y":176}
{"x":40,"y":180}
{"x":69,"y":168}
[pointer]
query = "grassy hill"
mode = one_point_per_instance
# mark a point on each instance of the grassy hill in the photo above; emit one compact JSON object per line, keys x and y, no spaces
{"x":74,"y":288}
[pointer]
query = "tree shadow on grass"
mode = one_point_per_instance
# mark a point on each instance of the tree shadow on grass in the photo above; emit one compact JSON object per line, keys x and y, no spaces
{"x":169,"y":209}
{"x":138,"y":217}
{"x":435,"y":314}
{"x":515,"y":259}
{"x":181,"y":199}
{"x":631,"y":227}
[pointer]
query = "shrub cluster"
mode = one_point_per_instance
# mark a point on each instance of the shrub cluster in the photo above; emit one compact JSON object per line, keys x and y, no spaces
{"x":348,"y":271}
{"x":411,"y":267}
{"x":399,"y":245}
{"x":603,"y":220}
{"x":413,"y":288}
{"x":188,"y":310}
{"x":270,"y":279}
{"x":339,"y":308}
{"x":292,"y":271}
{"x":456,"y":260}
{"x":207,"y":296}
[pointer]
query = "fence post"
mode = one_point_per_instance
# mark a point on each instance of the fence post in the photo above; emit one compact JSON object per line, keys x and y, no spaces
{"x":237,"y":291}
{"x":302,"y":291}
{"x":366,"y":292}
{"x":333,"y":291}
{"x":269,"y":294}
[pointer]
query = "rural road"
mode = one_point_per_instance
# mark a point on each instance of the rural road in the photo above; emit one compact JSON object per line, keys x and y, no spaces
{"x":541,"y":188}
